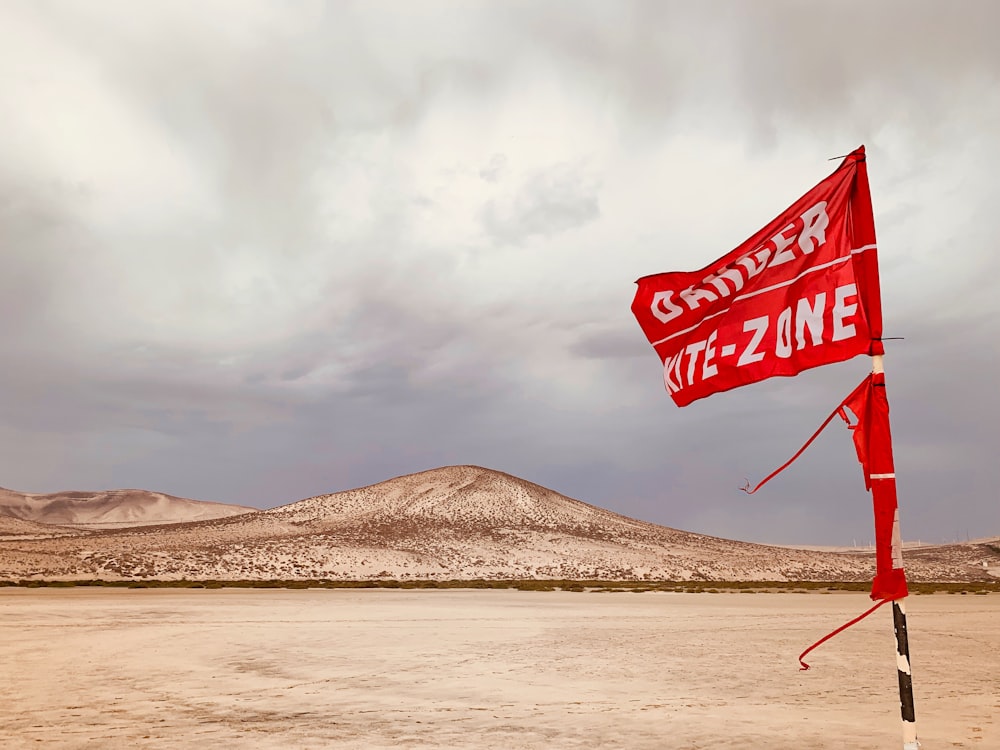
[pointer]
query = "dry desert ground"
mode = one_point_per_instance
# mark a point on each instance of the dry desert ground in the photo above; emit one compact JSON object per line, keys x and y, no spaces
{"x":371,"y":669}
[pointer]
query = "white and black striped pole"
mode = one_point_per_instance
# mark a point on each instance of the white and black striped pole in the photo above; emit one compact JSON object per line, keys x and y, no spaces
{"x":899,"y":622}
{"x":905,"y":678}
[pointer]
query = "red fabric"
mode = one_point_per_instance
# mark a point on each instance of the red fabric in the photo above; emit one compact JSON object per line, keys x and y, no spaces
{"x":858,"y":403}
{"x":839,"y":411}
{"x":873,"y":441}
{"x":800,"y":293}
{"x":841,"y":629}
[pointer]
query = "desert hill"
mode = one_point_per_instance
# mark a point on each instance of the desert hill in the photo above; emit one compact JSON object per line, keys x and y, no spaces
{"x":10,"y":526}
{"x":458,"y":522}
{"x":110,"y":508}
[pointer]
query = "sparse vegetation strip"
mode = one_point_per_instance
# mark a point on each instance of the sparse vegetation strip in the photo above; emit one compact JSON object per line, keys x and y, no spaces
{"x":689,"y":587}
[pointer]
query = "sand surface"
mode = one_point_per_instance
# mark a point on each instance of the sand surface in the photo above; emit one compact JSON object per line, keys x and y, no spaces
{"x":106,"y":668}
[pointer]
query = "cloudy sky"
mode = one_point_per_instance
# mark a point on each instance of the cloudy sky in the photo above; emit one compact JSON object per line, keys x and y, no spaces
{"x":256,"y":251}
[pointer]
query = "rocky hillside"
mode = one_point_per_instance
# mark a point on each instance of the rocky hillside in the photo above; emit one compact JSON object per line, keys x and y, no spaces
{"x":459,"y":522}
{"x":111,"y":509}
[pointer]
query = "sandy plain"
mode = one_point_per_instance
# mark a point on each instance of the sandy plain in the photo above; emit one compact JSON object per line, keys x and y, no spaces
{"x":372,"y":669}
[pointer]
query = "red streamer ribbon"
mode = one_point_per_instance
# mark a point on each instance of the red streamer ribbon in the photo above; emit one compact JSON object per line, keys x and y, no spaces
{"x":841,"y":629}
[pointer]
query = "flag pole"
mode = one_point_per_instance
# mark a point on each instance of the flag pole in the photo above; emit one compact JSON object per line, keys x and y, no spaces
{"x":899,"y":627}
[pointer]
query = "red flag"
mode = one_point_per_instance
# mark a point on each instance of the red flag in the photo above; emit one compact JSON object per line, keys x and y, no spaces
{"x":800,"y":293}
{"x":874,"y":445}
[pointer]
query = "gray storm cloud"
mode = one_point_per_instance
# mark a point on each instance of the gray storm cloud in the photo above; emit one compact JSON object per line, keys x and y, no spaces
{"x":254,"y":251}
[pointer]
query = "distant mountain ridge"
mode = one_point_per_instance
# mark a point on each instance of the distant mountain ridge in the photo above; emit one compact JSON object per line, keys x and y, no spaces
{"x":452,"y":523}
{"x":108,"y":509}
{"x":17,"y":527}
